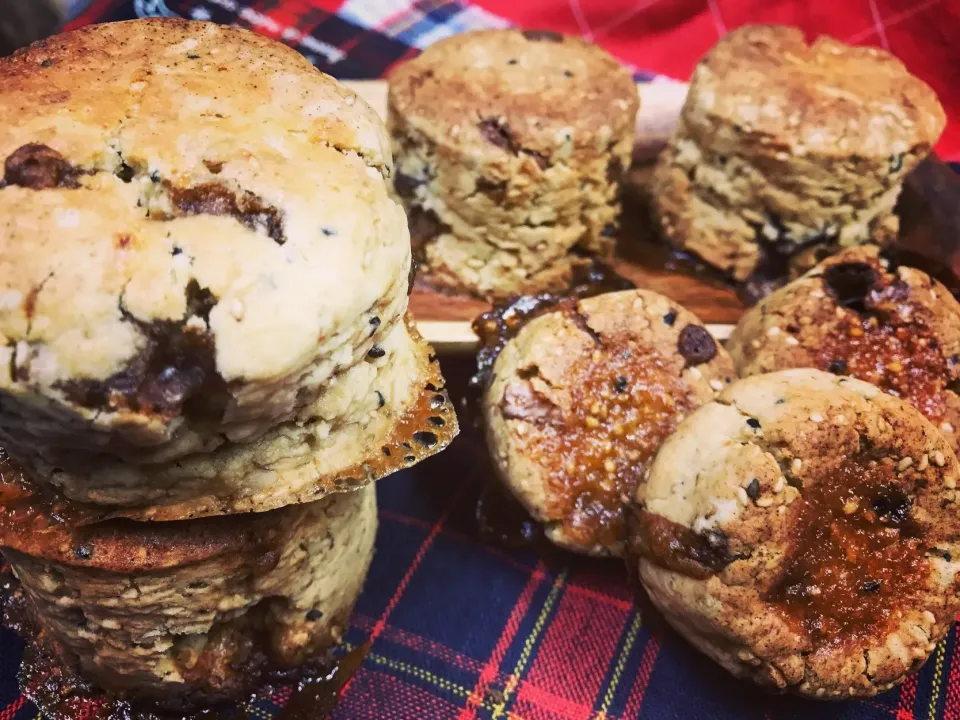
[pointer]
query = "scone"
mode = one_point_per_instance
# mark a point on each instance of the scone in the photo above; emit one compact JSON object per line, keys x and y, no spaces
{"x":199,"y":254}
{"x":187,"y":613}
{"x":787,"y":151}
{"x":860,"y":314}
{"x":580,"y":400}
{"x":370,"y":422}
{"x":802,"y":532}
{"x":510,"y":146}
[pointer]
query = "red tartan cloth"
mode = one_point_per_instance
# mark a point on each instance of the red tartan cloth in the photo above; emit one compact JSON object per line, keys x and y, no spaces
{"x":461,"y":628}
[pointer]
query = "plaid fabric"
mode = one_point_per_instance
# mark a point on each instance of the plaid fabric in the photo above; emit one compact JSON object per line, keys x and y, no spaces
{"x":464,"y":629}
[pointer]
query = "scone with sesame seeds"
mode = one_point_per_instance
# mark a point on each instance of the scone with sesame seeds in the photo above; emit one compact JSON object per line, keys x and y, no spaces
{"x":580,"y":400}
{"x":787,"y":151}
{"x":802,"y":531}
{"x":188,"y":613}
{"x":510,"y":147}
{"x":197,"y":247}
{"x":861,"y":313}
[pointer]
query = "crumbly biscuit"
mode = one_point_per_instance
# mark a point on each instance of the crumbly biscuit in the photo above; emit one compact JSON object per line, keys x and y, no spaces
{"x":802,"y":532}
{"x":388,"y":412}
{"x":787,"y":151}
{"x":860,"y":314}
{"x":510,"y":146}
{"x":191,"y":612}
{"x":197,"y":238}
{"x":580,"y":401}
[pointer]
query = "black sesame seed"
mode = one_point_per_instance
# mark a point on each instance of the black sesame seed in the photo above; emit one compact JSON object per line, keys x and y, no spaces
{"x":670,"y":318}
{"x":376,"y":352}
{"x":176,"y":251}
{"x":381,"y":401}
{"x":896,"y":162}
{"x":568,"y":73}
{"x":83,"y":552}
{"x":511,"y":61}
{"x":753,"y":489}
{"x":375,"y":321}
{"x":754,"y":423}
{"x":781,"y":401}
{"x":386,"y":450}
{"x":947,"y":556}
{"x":620,"y":384}
{"x":193,"y":57}
{"x":837,"y":367}
{"x":154,"y":177}
{"x":328,"y":231}
{"x":314,"y":615}
{"x":46,"y":62}
{"x":870,"y":586}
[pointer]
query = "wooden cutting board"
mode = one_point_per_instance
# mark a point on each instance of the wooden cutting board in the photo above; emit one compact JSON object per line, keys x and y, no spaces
{"x":929,"y":209}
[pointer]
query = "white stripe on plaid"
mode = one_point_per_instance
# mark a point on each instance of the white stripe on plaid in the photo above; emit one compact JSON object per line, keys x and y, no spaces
{"x":421,"y":22}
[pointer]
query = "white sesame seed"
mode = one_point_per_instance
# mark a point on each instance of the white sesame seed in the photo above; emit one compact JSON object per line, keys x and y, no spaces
{"x":765,"y":501}
{"x":237,"y":309}
{"x":946,"y":427}
{"x":778,"y":485}
{"x":716,"y":385}
{"x":839,"y":420}
{"x":791,"y":340}
{"x":938,"y":459}
{"x":817,"y":294}
{"x":950,"y":483}
{"x":924,"y":462}
{"x":904,"y":463}
{"x":796,"y":465}
{"x":695,"y":373}
{"x":816,"y":417}
{"x":773,"y":332}
{"x":742,"y":496}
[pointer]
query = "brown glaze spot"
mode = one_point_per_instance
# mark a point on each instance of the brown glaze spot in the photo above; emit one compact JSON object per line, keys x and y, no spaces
{"x":248,"y":209}
{"x":696,"y":345}
{"x":497,"y":133}
{"x":884,"y":339}
{"x":679,"y":548}
{"x":856,"y":558}
{"x":497,"y":326}
{"x":543,"y":36}
{"x":39,"y":167}
{"x":30,"y":301}
{"x":122,"y":241}
{"x":597,"y":451}
{"x":175,"y":372}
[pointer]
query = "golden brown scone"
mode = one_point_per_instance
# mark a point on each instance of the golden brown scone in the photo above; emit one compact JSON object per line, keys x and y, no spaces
{"x":860,"y":314}
{"x":787,"y":151}
{"x":580,"y":401}
{"x":197,"y":239}
{"x":802,"y":532}
{"x":191,"y":612}
{"x":387,"y":412}
{"x":510,"y":145}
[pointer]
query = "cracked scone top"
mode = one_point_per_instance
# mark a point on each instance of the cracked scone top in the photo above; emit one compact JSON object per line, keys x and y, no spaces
{"x":801,"y":531}
{"x":196,"y":238}
{"x":510,"y":146}
{"x":787,"y":150}
{"x":580,"y":400}
{"x":863,"y":314}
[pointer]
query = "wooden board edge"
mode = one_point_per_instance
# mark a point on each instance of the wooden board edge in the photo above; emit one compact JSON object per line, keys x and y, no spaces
{"x":452,"y":337}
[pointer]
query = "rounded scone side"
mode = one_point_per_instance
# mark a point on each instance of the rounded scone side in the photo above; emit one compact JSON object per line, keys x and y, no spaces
{"x":628,"y":340}
{"x":784,"y":153}
{"x":717,"y":521}
{"x":202,"y":632}
{"x":388,"y":412}
{"x":860,"y":314}
{"x":500,"y":180}
{"x":156,"y":252}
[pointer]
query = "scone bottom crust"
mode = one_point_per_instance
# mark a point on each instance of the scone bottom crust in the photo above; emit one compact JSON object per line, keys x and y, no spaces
{"x":852,"y":554}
